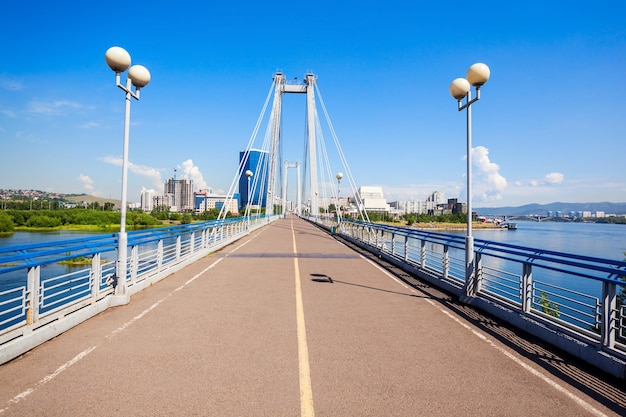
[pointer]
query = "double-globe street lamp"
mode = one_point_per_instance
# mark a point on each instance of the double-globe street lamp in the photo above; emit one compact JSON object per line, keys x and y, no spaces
{"x":119,"y":61}
{"x":460,"y":89}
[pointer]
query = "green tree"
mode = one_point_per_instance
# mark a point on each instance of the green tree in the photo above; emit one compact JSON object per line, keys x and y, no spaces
{"x":209,"y":214}
{"x":6,"y":223}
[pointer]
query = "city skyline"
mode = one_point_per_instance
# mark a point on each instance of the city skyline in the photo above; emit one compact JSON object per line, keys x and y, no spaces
{"x":548,"y":127}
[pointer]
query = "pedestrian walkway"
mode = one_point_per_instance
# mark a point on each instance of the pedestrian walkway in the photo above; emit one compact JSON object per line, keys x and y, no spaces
{"x":290,"y":321}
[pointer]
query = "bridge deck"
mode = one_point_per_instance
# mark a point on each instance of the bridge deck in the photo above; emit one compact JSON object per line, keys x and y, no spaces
{"x":228,"y":336}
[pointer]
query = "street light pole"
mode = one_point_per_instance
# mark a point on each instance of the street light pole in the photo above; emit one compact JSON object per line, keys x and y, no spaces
{"x":460,"y":89}
{"x":339,"y":176}
{"x":249,"y":175}
{"x":119,"y":61}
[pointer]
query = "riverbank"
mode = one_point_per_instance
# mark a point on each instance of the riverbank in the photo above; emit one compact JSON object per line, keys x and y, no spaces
{"x":455,"y":226}
{"x":114,"y":228}
{"x":447,"y":225}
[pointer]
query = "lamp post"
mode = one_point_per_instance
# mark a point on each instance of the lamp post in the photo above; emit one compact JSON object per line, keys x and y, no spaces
{"x":249,"y":175}
{"x":339,"y":176}
{"x":119,"y":61}
{"x":460,"y":89}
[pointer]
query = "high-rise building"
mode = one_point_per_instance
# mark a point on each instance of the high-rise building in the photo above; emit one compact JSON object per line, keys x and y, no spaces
{"x":147,"y":199}
{"x":256,"y":161}
{"x":181,"y":192}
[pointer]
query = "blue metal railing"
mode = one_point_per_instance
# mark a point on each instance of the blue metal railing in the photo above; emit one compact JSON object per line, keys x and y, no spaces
{"x":37,"y":291}
{"x":575,"y":296}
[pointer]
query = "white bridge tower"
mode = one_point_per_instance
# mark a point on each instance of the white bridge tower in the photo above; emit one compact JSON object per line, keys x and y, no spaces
{"x":307,"y":88}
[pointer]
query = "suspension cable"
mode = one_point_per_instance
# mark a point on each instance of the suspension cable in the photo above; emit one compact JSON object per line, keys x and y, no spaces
{"x":244,"y":160}
{"x":360,"y":205}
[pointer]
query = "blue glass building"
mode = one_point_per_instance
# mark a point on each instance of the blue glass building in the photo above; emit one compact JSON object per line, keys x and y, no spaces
{"x":256,"y":161}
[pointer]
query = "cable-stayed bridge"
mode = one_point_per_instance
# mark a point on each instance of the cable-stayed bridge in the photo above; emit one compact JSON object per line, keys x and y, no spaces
{"x":317,"y":180}
{"x":284,"y":315}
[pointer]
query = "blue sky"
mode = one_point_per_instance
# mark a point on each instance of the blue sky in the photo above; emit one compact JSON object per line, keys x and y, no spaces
{"x":550,"y":125}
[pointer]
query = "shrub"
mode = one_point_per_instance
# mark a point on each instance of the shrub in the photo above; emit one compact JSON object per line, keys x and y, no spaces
{"x":6,"y":223}
{"x":43,"y":221}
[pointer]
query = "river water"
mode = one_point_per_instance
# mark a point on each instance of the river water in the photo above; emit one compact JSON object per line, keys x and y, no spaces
{"x":607,"y":241}
{"x":599,"y":240}
{"x":590,"y":239}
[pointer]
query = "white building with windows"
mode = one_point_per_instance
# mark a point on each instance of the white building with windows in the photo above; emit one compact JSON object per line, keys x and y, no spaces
{"x":206,"y":200}
{"x":147,"y":200}
{"x":373,"y":199}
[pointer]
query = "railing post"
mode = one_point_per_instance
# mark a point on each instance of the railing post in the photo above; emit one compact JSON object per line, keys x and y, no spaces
{"x":406,"y":248}
{"x":159,"y":256}
{"x":526,"y":287}
{"x":609,"y":314}
{"x":178,"y":246}
{"x":445,"y":261}
{"x":471,"y":282}
{"x":192,"y":243}
{"x":393,"y":243}
{"x":96,"y":277}
{"x":478,"y":272}
{"x":34,"y":280}
{"x":422,"y":254}
{"x":134,"y":262}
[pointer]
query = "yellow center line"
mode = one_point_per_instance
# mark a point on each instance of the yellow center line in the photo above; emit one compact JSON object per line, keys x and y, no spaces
{"x":306,"y":392}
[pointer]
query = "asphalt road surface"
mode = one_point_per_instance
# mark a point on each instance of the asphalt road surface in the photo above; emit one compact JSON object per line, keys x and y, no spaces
{"x":290,"y":321}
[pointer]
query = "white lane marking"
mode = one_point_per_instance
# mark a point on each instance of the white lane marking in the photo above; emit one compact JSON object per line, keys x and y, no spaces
{"x":21,"y":396}
{"x":242,"y":245}
{"x":199,"y":274}
{"x":123,"y":327}
{"x":306,"y":390}
{"x":137,"y":317}
{"x":155,"y":305}
{"x":582,"y":403}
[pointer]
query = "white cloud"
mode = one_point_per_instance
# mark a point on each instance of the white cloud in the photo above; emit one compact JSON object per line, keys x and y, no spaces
{"x":90,"y":125}
{"x":144,"y":171}
{"x":8,"y":113}
{"x":87,"y":182}
{"x":554,"y":178}
{"x":192,"y":172}
{"x":57,"y":107}
{"x":488,"y":184}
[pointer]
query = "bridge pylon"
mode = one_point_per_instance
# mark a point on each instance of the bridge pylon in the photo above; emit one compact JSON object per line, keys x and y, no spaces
{"x":282,"y":87}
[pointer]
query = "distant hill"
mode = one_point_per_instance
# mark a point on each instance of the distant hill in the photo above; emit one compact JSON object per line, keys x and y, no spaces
{"x":565,"y":208}
{"x":79,"y":198}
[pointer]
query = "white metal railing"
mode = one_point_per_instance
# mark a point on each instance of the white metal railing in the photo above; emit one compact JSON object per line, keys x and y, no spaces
{"x":40,"y":299}
{"x":528,"y":287}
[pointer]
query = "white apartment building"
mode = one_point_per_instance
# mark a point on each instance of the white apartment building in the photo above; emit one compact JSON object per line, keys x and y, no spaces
{"x":147,"y":200}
